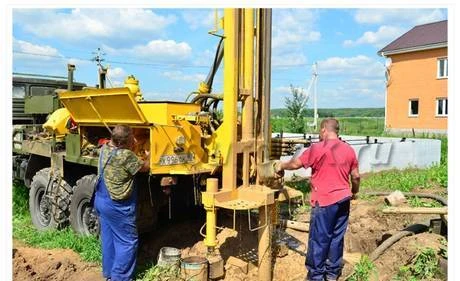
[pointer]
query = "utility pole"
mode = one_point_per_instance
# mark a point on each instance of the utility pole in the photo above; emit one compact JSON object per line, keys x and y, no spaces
{"x":315,"y":78}
{"x":98,"y":58}
{"x":312,"y":84}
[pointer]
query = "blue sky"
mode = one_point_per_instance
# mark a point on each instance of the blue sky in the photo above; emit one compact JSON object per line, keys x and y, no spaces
{"x":170,"y":50}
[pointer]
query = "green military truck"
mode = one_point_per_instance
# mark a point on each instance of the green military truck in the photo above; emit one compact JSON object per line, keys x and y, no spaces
{"x":34,"y":98}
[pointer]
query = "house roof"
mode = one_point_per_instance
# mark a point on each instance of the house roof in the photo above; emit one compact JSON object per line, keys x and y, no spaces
{"x":421,"y":37}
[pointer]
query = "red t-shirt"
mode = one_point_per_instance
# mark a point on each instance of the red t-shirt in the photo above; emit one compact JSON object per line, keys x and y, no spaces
{"x":331,"y":162}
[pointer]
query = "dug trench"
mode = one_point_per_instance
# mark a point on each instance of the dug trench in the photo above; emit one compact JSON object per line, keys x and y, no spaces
{"x":368,"y":228}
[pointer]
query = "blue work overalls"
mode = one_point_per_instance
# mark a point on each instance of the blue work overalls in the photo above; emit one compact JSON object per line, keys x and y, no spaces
{"x":326,"y":238}
{"x":118,"y":230}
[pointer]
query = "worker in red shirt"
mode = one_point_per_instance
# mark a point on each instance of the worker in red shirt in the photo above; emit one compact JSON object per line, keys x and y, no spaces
{"x":332,"y":162}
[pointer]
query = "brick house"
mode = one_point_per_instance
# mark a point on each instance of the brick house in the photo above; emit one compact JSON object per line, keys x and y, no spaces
{"x":416,"y":98}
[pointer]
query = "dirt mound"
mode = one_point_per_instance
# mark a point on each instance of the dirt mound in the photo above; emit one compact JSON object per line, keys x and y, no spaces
{"x":31,"y":264}
{"x":368,"y":228}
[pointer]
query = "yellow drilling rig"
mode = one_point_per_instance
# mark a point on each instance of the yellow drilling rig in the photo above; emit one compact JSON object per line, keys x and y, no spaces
{"x":194,"y":153}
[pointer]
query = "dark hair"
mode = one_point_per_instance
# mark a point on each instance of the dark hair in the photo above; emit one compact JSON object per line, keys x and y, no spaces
{"x":120,"y":135}
{"x":331,"y":125}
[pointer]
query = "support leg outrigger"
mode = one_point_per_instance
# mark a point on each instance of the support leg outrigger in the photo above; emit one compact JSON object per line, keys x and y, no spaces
{"x":265,"y":243}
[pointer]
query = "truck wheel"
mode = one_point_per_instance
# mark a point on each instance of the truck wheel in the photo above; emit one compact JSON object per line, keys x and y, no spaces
{"x":40,"y":206}
{"x":83,"y":218}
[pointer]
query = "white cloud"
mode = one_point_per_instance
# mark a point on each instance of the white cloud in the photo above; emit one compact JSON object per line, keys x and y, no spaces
{"x":282,"y":90}
{"x":116,"y":73}
{"x":199,"y":18}
{"x":352,"y":94}
{"x":288,"y":59}
{"x":367,"y":88}
{"x":41,"y":56}
{"x":155,"y":50}
{"x":92,"y":24}
{"x":384,"y":35}
{"x":399,"y":16}
{"x":205,"y":58}
{"x":180,"y":76}
{"x":294,"y":27}
{"x":395,"y":23}
{"x":292,"y":30}
{"x":39,"y":52}
{"x":162,"y":48}
{"x":360,"y":65}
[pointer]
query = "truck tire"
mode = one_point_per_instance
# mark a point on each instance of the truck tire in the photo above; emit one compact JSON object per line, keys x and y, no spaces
{"x":40,"y":207}
{"x":83,"y":218}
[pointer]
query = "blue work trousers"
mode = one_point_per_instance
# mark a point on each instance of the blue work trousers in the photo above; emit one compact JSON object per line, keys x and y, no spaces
{"x":326,"y":238}
{"x":118,"y":234}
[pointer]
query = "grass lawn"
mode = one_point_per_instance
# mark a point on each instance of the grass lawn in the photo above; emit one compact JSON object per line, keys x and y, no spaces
{"x":88,"y":247}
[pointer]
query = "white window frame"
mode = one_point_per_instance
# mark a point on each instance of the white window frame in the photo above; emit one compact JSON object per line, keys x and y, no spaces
{"x":444,"y":107}
{"x":410,"y":107}
{"x":446,"y":74}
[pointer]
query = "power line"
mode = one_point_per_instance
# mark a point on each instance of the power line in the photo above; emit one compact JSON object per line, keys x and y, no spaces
{"x":156,"y":64}
{"x":160,"y":65}
{"x":49,"y":56}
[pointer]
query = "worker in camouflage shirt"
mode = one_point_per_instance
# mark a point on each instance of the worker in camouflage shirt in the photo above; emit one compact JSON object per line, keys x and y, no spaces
{"x":115,"y":203}
{"x":118,"y":174}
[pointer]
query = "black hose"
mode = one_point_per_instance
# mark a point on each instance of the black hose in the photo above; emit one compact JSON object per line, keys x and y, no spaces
{"x":408,"y":231}
{"x":200,"y":97}
{"x":215,"y":65}
{"x":439,"y":198}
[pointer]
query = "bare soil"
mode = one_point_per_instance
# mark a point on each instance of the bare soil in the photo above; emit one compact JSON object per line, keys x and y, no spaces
{"x":32,"y":264}
{"x":368,"y":228}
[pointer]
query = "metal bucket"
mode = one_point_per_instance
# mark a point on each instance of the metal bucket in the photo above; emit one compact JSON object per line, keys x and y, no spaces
{"x":194,"y":268}
{"x":169,"y":256}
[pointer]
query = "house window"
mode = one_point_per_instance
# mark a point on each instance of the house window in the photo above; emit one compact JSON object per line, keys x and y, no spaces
{"x":442,"y":68}
{"x":441,"y":107}
{"x":413,"y":107}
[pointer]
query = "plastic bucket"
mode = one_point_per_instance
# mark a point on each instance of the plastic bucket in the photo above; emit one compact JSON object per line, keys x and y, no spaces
{"x":169,"y":256}
{"x":194,"y":268}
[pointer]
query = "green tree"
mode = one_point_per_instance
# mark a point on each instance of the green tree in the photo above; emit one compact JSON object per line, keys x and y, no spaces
{"x":296,"y":106}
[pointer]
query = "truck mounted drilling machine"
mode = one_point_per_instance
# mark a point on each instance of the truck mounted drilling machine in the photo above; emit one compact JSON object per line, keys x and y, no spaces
{"x":194,"y":153}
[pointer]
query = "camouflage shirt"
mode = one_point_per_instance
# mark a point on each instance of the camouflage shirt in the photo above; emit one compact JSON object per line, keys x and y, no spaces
{"x":119,"y":171}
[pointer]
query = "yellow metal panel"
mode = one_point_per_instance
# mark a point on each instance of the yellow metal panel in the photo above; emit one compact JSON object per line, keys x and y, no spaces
{"x":161,"y":113}
{"x":163,"y":142}
{"x":110,"y":106}
{"x":155,"y":112}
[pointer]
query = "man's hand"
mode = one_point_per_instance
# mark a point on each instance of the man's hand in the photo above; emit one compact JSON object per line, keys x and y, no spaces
{"x":355,"y":181}
{"x":354,"y":199}
{"x":278,"y":168}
